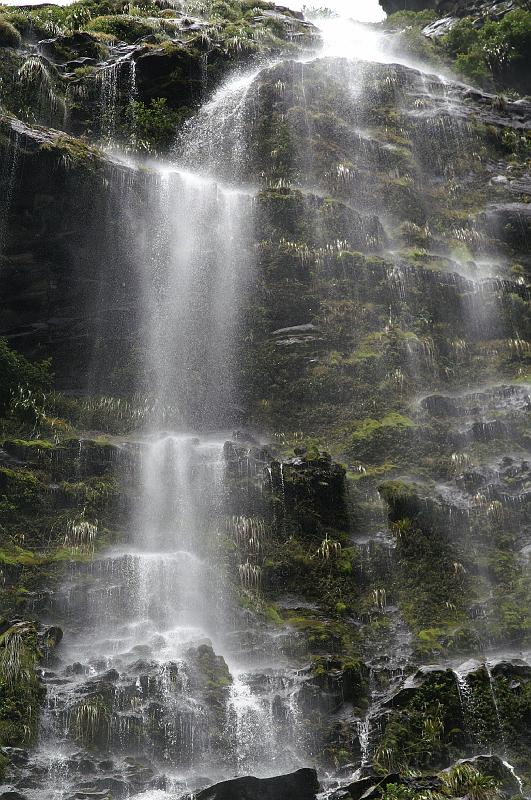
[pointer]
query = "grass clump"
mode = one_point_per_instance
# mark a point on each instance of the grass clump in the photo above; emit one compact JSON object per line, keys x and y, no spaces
{"x":9,"y":36}
{"x":20,"y":373}
{"x":125,"y":28}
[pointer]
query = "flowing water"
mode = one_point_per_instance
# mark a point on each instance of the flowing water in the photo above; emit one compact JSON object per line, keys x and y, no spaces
{"x":157,"y":660}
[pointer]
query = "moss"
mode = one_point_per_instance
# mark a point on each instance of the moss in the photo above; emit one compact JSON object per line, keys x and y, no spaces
{"x":73,"y":153}
{"x":272,"y":615}
{"x":369,"y":427}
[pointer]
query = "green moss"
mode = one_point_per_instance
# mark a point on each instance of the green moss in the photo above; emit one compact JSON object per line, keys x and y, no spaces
{"x":73,"y":153}
{"x":272,"y":615}
{"x":369,"y":427}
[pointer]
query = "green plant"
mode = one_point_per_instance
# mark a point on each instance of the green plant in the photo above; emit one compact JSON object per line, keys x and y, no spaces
{"x":20,"y":376}
{"x":464,"y":780}
{"x":9,"y":36}
{"x":497,"y":52}
{"x":122,"y":27}
{"x":150,"y":128}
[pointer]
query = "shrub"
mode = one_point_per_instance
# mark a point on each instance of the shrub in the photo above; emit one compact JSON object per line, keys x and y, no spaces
{"x":151,"y":129}
{"x":498,"y":51}
{"x":9,"y":36}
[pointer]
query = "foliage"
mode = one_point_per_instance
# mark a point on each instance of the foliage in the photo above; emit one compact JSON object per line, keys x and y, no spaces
{"x":498,"y":51}
{"x":464,"y":780}
{"x":20,"y":689}
{"x":9,"y":36}
{"x":48,"y":20}
{"x":151,"y":128}
{"x":19,"y":373}
{"x":409,"y":19}
{"x":122,"y":27}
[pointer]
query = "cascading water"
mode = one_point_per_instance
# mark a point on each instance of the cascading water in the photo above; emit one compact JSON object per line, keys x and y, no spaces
{"x":165,"y":668}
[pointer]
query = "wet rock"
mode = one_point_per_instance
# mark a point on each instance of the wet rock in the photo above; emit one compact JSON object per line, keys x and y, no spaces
{"x":440,"y":27}
{"x":311,"y":488}
{"x":112,"y":676}
{"x":12,"y":795}
{"x":299,"y":330}
{"x":51,"y":637}
{"x":244,"y":436}
{"x":412,"y":685}
{"x":85,"y":766}
{"x":113,"y":786}
{"x":300,"y":785}
{"x":173,"y":72}
{"x":511,"y":669}
{"x":513,"y":221}
{"x":71,"y":46}
{"x":437,"y":405}
{"x":488,"y":431}
{"x":17,"y":756}
{"x":369,"y":787}
{"x":75,"y":669}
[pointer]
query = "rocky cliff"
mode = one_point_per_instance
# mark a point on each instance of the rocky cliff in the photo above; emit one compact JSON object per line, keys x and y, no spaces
{"x":375,"y":523}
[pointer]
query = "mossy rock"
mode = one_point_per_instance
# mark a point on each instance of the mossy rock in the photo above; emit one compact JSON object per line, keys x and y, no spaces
{"x":9,"y":36}
{"x":72,"y":46}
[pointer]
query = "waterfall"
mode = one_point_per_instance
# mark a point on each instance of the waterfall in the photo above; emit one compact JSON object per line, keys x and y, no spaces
{"x":492,"y":688}
{"x":197,"y":266}
{"x":177,"y":663}
{"x":117,"y":88}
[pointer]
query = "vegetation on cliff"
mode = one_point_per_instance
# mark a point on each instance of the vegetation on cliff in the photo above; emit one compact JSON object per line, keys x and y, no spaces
{"x":383,"y":349}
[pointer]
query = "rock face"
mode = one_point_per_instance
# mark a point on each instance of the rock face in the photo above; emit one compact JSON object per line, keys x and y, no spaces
{"x":375,"y":551}
{"x":300,"y":785}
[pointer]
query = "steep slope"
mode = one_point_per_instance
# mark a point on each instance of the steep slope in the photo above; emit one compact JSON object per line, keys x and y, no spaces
{"x":229,"y":220}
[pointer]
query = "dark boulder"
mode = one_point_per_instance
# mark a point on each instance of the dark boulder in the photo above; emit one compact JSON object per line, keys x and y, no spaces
{"x":511,"y":669}
{"x":299,"y":785}
{"x":51,"y":637}
{"x":12,"y":795}
{"x":438,"y":405}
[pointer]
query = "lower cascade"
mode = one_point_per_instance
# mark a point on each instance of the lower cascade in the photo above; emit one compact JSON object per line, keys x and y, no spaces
{"x":157,"y":663}
{"x":265,"y":460}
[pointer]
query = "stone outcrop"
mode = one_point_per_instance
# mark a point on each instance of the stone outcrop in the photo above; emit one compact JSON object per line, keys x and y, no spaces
{"x":300,"y":785}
